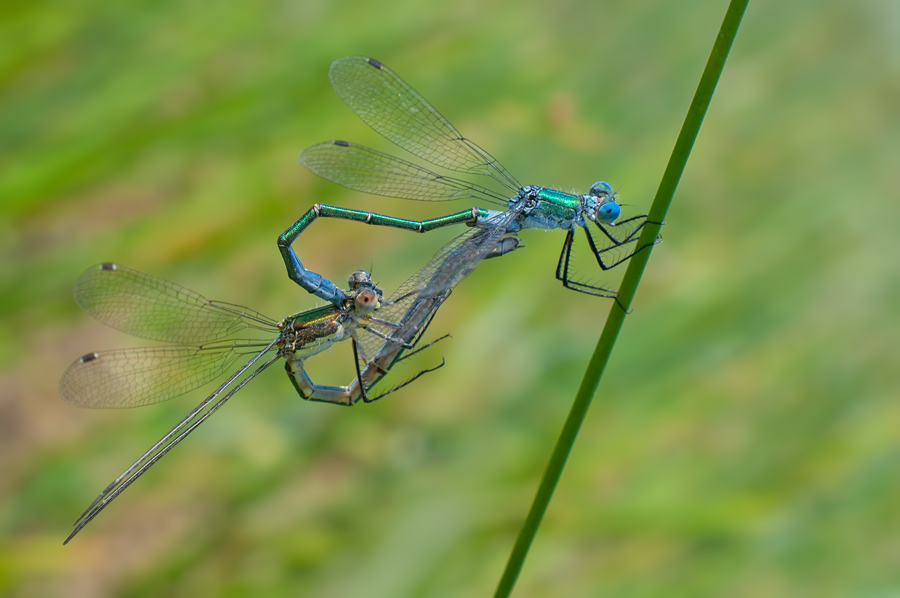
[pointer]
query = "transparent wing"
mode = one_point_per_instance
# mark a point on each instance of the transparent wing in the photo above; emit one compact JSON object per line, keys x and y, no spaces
{"x":187,"y":425}
{"x":149,"y":307}
{"x":407,"y":315}
{"x":146,"y":375}
{"x":412,"y":305}
{"x":395,"y":110}
{"x":458,"y":258}
{"x":385,"y":353}
{"x":363,"y":169}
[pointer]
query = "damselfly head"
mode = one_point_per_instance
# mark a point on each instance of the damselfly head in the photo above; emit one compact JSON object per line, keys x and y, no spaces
{"x":363,"y":292}
{"x":600,"y":203}
{"x":366,"y":301}
{"x":601,"y":189}
{"x":359,"y":279}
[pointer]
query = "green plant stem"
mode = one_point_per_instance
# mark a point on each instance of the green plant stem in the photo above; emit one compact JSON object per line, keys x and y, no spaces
{"x":636,"y":265}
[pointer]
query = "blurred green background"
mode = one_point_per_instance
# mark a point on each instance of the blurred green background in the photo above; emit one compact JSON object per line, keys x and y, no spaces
{"x":744,"y":441}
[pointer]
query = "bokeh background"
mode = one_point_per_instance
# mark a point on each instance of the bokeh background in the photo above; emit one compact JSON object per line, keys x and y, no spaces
{"x":744,"y":441}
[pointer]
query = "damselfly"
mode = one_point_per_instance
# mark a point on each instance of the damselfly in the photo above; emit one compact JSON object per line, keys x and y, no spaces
{"x":395,"y":110}
{"x":203,"y":332}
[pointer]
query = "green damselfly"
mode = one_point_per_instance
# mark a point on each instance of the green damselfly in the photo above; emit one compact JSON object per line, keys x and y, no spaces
{"x":396,"y":111}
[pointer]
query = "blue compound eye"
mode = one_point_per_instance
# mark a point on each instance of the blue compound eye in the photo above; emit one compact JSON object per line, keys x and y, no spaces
{"x":601,"y":188}
{"x":608,"y":212}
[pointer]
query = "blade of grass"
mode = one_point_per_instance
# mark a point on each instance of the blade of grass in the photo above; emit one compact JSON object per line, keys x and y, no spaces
{"x":614,"y":321}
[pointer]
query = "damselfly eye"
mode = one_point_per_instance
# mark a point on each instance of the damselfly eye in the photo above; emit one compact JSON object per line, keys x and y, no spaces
{"x":608,"y":212}
{"x":357,"y":279}
{"x":601,"y":189}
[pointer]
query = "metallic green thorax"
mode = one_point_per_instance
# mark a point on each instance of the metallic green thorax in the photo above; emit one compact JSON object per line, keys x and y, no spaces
{"x":558,"y":205}
{"x":309,"y":332}
{"x":311,"y":317}
{"x":559,"y":198}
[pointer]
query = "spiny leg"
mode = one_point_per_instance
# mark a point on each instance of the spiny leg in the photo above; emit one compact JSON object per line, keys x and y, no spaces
{"x":562,"y":272}
{"x":383,"y":371}
{"x":422,"y":348}
{"x":322,"y":287}
{"x":398,"y":355}
{"x":421,"y":333}
{"x":378,"y":333}
{"x":418,"y":335}
{"x":604,"y":266}
{"x":362,"y":387}
{"x":562,"y":266}
{"x":597,"y":252}
{"x":630,"y":236}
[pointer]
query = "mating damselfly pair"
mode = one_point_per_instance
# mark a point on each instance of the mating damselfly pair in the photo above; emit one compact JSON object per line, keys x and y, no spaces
{"x":382,"y":332}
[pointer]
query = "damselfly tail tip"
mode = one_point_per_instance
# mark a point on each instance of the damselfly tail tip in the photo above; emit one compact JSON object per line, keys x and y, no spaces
{"x":72,"y":535}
